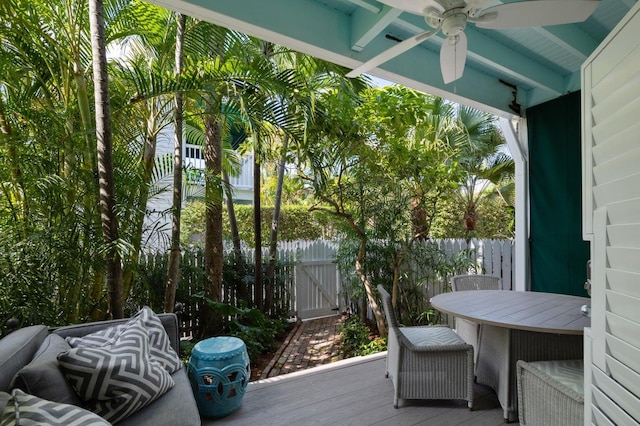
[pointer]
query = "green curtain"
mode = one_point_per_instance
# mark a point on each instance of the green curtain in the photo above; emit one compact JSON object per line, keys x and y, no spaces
{"x":558,"y":253}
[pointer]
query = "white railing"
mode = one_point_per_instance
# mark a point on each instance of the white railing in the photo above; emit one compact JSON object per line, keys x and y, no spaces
{"x":194,"y":160}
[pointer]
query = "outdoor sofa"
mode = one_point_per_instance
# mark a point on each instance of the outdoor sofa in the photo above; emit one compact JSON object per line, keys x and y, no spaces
{"x":29,"y":361}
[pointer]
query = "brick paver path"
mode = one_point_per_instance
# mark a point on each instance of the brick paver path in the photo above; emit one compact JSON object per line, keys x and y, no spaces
{"x":310,"y":343}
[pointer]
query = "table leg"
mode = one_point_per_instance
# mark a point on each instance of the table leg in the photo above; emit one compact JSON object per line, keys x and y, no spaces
{"x":492,"y":368}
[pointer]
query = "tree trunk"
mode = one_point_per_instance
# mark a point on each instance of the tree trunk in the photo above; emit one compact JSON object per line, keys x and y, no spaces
{"x":470,"y":221}
{"x":257,"y":226}
{"x":396,"y":281}
{"x":382,"y":329}
{"x":91,"y":198}
{"x":360,"y":258}
{"x":173,"y":272}
{"x":17,"y":181}
{"x":233,"y":221}
{"x":212,"y":322}
{"x":105,"y":159}
{"x":241,"y":288}
{"x":273,"y":240}
{"x":267,"y":51}
{"x":419,"y":223}
{"x":148,"y":164}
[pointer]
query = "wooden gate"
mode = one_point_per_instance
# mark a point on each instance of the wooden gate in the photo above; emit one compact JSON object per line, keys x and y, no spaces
{"x":317,"y":281}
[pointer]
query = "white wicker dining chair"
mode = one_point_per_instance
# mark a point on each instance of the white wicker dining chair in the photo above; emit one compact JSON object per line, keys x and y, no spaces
{"x":469,"y":330}
{"x":475,"y":282}
{"x":430,"y":362}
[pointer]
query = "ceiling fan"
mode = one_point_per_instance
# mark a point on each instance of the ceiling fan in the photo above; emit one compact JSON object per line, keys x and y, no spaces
{"x":451,"y":17}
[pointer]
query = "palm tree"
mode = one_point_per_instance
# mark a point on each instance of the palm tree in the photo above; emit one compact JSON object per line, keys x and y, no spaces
{"x":143,"y":109}
{"x":213,"y":200}
{"x":105,"y":159}
{"x":484,"y":160}
{"x":315,"y":76}
{"x":173,"y":272}
{"x":51,"y":46}
{"x":46,"y":99}
{"x":233,"y":79}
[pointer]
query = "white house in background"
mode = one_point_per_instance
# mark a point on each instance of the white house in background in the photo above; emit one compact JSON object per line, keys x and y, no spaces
{"x":159,"y":205}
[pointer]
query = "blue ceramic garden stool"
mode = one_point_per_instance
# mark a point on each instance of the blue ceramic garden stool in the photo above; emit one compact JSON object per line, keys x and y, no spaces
{"x":219,"y":373}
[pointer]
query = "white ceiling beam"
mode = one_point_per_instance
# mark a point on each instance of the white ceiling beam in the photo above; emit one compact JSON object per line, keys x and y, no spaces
{"x":365,"y":26}
{"x":365,"y":5}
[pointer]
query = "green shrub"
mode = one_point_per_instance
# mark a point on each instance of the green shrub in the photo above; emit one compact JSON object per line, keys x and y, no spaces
{"x":255,"y":329}
{"x":258,"y":332}
{"x":356,"y":340}
{"x":296,"y":223}
{"x":496,"y":220}
{"x":186,"y":346}
{"x":425,"y":267}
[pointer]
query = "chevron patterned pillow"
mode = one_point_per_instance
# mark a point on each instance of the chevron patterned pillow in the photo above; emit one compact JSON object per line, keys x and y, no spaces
{"x":117,"y":380}
{"x":159,"y":344}
{"x":28,"y":410}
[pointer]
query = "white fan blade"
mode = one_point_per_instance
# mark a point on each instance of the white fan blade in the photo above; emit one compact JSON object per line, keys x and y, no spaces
{"x":452,"y":58}
{"x":537,"y":13}
{"x":474,"y":5}
{"x":392,"y":52}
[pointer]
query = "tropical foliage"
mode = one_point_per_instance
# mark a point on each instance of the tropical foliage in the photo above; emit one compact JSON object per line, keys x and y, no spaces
{"x":357,"y":340}
{"x":295,"y":223}
{"x":383,"y":163}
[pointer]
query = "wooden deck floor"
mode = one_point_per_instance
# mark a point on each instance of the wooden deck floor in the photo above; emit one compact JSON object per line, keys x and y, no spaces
{"x":352,"y":392}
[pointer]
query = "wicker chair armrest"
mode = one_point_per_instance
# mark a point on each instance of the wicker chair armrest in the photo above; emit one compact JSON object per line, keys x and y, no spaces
{"x":549,"y":380}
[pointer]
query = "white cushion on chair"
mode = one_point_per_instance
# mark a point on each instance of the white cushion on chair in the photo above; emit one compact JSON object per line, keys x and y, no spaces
{"x":431,"y":336}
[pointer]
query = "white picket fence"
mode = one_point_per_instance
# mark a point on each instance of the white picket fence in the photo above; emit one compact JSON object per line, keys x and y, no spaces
{"x":316,"y":287}
{"x":493,"y":257}
{"x":310,"y":285}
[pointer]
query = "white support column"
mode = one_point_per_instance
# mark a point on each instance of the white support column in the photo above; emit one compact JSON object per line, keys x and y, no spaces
{"x":517,"y":143}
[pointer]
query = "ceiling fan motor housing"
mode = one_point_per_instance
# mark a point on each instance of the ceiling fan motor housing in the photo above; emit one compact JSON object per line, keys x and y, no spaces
{"x":453,"y":22}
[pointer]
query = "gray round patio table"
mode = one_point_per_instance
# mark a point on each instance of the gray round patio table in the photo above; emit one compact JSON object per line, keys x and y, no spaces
{"x":531,"y":326}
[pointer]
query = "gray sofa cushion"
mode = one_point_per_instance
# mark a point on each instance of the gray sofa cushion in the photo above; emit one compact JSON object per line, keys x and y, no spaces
{"x":28,"y":410}
{"x":117,"y":380}
{"x":4,"y":398}
{"x":43,"y":378}
{"x":16,"y":350}
{"x":177,"y":407}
